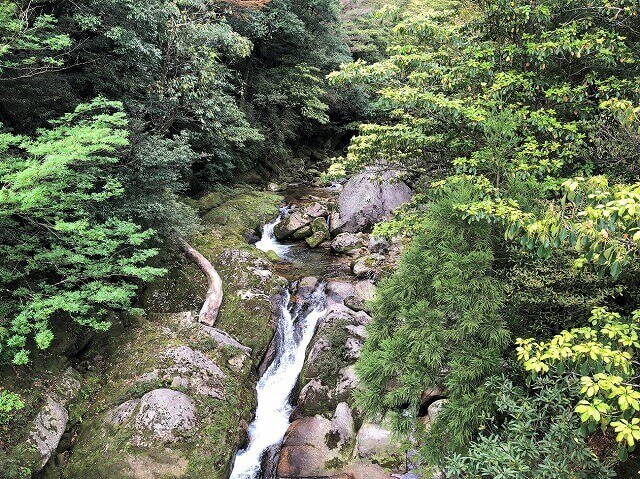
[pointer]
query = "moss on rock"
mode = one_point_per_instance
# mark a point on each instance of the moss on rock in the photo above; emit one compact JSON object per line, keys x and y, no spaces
{"x":136,"y":361}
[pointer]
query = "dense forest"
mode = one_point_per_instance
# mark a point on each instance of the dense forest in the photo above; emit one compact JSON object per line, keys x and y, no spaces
{"x":515,"y":122}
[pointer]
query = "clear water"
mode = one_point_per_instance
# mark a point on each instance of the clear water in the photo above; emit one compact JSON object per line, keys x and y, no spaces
{"x":295,"y":330}
{"x":298,"y":259}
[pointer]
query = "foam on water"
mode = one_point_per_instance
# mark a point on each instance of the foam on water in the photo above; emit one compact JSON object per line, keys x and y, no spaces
{"x":295,"y":330}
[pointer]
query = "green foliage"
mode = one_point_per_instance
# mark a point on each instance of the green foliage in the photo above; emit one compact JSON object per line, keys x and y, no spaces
{"x":547,"y":296}
{"x":439,"y":312}
{"x":510,"y":99}
{"x":29,"y":42}
{"x":603,"y":355}
{"x":601,"y":222}
{"x":506,"y":91}
{"x":10,"y":403}
{"x":60,"y":257}
{"x":535,"y":437}
{"x":296,"y":43}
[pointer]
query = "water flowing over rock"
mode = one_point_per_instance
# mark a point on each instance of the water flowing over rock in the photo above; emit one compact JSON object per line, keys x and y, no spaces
{"x":295,"y":330}
{"x":371,"y":197}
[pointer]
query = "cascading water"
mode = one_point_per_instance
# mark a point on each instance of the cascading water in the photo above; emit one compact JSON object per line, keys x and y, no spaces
{"x":268,"y":241}
{"x":295,"y":330}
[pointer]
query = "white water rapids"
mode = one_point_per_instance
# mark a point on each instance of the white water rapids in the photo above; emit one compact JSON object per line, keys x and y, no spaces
{"x":275,"y":386}
{"x":268,"y":241}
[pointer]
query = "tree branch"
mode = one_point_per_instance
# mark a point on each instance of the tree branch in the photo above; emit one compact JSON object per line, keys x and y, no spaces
{"x":213,"y":299}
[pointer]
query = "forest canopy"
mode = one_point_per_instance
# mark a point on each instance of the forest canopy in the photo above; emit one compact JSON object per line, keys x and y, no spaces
{"x":112,"y":112}
{"x":518,"y":123}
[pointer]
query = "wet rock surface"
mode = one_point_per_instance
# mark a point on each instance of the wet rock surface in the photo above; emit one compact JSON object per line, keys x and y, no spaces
{"x":326,"y":438}
{"x":180,"y":394}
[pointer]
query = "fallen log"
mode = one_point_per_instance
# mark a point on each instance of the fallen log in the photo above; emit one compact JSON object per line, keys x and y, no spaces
{"x":213,"y":300}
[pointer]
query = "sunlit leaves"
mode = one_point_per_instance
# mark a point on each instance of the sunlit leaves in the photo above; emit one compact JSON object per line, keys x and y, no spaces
{"x":602,"y":355}
{"x":29,"y":42}
{"x":60,"y":259}
{"x":601,"y":222}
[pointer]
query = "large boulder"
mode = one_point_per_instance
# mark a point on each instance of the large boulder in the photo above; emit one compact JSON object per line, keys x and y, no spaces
{"x":304,"y":452}
{"x":320,"y":232}
{"x":347,"y":383}
{"x":165,"y":415}
{"x":366,"y":266}
{"x":315,"y":398}
{"x":316,"y":210}
{"x":51,"y":420}
{"x":337,"y":291}
{"x":370,"y":197}
{"x":342,"y":432}
{"x":364,"y":293}
{"x":292,"y":223}
{"x":47,"y":430}
{"x":347,"y":243}
{"x":378,"y":445}
{"x":191,"y":368}
{"x":336,"y":225}
{"x":302,"y":233}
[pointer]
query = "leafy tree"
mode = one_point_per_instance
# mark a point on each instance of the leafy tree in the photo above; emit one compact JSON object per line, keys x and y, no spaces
{"x":507,"y":98}
{"x":296,"y":43}
{"x":61,"y":259}
{"x":601,"y":222}
{"x":603,"y":356}
{"x":533,"y":436}
{"x":29,"y":42}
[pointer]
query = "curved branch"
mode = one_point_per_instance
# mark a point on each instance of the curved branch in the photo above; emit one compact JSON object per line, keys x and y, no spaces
{"x":213,"y":299}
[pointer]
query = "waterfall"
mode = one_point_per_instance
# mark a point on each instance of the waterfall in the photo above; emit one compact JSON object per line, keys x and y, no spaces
{"x":295,"y":329}
{"x":268,"y":241}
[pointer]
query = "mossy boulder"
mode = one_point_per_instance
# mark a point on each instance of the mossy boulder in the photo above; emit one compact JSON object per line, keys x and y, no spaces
{"x":291,"y":224}
{"x":320,"y":232}
{"x":315,"y":239}
{"x":133,"y":428}
{"x":170,"y":390}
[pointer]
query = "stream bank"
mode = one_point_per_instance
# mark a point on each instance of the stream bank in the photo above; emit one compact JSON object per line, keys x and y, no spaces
{"x":160,"y":395}
{"x":327,"y":437}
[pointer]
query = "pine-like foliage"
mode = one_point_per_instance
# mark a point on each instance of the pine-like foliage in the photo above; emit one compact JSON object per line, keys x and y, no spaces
{"x":437,"y":322}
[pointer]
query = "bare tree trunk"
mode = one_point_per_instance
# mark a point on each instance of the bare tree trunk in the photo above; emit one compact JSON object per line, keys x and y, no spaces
{"x":213,"y":300}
